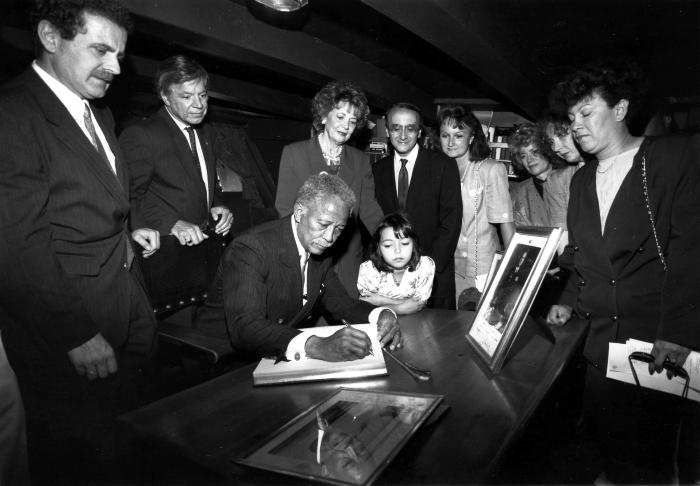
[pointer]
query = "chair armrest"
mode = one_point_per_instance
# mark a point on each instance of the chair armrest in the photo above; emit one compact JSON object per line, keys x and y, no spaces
{"x":214,"y":349}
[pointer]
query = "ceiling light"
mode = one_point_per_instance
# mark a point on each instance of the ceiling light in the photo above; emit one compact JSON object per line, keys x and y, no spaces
{"x":284,"y":5}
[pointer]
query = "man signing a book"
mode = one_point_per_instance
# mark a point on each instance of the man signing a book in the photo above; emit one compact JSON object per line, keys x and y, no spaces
{"x":275,"y":279}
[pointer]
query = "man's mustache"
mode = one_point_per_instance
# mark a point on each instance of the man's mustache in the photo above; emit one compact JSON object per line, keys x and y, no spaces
{"x":103,"y":75}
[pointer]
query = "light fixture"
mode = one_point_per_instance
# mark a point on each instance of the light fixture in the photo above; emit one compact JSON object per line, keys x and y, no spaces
{"x":284,"y":5}
{"x":286,"y":14}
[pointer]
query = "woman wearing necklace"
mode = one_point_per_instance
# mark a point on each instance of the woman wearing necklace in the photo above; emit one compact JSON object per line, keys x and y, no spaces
{"x":338,"y":110}
{"x":634,"y":224}
{"x":486,"y":205}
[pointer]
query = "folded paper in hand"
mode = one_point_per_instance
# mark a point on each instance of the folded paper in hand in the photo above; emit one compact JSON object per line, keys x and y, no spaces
{"x":269,"y":372}
{"x":619,"y":369}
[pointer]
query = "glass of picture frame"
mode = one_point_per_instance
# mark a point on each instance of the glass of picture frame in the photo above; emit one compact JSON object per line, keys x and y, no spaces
{"x":509,"y":296}
{"x":495,"y":262}
{"x":348,"y":438}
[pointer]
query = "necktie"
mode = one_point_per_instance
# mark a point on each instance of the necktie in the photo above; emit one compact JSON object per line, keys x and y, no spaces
{"x":303,"y":263}
{"x":403,"y":184}
{"x":87,"y":120}
{"x":193,"y":146}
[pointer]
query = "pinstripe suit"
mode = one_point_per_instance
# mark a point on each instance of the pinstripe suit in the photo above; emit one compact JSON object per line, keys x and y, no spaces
{"x":260,"y":278}
{"x":66,"y":274}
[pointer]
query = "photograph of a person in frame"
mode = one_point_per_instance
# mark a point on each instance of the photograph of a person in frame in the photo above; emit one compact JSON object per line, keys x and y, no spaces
{"x":348,"y":440}
{"x":511,"y":285}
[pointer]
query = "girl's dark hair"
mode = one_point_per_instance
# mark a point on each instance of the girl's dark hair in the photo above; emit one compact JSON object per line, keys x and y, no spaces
{"x":460,"y":117}
{"x":334,"y":94}
{"x":402,"y":229}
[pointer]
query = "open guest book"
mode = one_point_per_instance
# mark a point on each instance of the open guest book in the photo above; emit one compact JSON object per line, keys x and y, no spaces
{"x":272,"y":372}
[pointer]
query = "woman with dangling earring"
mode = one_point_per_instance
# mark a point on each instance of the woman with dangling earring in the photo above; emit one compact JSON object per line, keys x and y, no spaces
{"x":338,"y":110}
{"x":487,"y":210}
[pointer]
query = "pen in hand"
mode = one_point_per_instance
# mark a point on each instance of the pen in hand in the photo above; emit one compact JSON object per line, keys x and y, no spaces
{"x":347,"y":324}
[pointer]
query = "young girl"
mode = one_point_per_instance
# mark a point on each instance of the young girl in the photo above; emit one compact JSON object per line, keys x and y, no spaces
{"x":396,"y":276}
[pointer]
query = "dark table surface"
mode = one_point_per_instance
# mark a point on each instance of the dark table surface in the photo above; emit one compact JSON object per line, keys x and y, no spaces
{"x":219,"y":420}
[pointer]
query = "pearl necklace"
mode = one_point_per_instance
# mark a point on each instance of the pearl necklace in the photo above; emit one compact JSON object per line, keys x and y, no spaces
{"x":330,"y":151}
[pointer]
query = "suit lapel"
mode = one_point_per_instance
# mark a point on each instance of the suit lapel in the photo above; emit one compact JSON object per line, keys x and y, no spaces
{"x":119,"y":163}
{"x":184,"y":154}
{"x":289,"y":263}
{"x":420,"y":176}
{"x":385,"y":173}
{"x":209,"y":160}
{"x":71,"y":135}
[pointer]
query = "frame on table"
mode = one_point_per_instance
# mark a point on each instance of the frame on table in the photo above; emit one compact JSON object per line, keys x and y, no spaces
{"x":495,"y":263}
{"x":348,"y":438}
{"x":509,"y":294}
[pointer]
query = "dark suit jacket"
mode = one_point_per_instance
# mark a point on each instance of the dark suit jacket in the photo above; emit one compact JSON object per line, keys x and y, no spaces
{"x":619,"y":279}
{"x":302,"y":159}
{"x":166,"y":184}
{"x":434,"y":207}
{"x":260,"y":278}
{"x":63,"y":228}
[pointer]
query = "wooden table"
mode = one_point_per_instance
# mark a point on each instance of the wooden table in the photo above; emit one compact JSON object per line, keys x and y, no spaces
{"x":223,"y":418}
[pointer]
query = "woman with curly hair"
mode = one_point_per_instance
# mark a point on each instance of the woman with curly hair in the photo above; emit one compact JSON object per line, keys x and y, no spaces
{"x":634,"y":224}
{"x":542,"y":198}
{"x":338,"y":109}
{"x":486,"y":204}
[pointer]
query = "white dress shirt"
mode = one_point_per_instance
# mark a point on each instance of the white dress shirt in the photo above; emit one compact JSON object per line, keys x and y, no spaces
{"x":76,"y":107}
{"x":202,"y":164}
{"x":411,"y":157}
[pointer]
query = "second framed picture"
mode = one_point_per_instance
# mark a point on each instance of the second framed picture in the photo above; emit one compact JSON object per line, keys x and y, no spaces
{"x":510,"y":293}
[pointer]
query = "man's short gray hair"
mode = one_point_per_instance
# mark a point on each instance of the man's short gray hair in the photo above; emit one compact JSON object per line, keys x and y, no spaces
{"x":324,"y":185}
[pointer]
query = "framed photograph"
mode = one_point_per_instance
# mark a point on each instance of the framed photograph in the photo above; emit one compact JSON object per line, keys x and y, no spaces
{"x":346,"y":439}
{"x":497,"y":257}
{"x":513,"y":288}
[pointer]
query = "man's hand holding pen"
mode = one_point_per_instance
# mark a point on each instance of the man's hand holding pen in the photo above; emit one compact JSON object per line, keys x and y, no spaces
{"x":346,"y":344}
{"x":349,"y":343}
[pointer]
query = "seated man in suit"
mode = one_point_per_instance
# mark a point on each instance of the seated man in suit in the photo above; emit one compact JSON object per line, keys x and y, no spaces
{"x":273,"y":278}
{"x":171,"y":165}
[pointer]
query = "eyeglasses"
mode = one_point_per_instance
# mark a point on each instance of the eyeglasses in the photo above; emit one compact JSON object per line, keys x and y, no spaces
{"x":409,"y":129}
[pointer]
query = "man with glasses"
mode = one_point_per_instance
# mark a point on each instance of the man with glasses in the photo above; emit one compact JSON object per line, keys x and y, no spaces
{"x":424,"y":185}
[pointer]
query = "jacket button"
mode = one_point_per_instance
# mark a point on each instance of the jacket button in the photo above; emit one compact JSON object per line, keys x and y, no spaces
{"x":612,"y":281}
{"x":640,"y":249}
{"x":613,"y":318}
{"x":587,"y":315}
{"x":581,"y":283}
{"x":576,"y":248}
{"x":280,"y":320}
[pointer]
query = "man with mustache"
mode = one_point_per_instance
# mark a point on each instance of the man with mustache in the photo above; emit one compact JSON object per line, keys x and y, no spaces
{"x":278,"y":277}
{"x":76,"y":322}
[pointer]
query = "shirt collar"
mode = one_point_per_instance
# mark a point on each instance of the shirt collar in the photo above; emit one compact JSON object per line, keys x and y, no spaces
{"x":73,"y":103}
{"x":177,"y":121}
{"x":300,"y":248}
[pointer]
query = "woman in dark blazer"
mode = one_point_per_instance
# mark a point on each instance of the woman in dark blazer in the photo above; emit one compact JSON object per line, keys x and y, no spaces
{"x":634,"y":219}
{"x":338,"y":109}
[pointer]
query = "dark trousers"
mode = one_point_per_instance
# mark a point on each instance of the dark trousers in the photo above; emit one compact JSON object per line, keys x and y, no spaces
{"x":644,"y":436}
{"x":443,"y":294}
{"x":73,"y":437}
